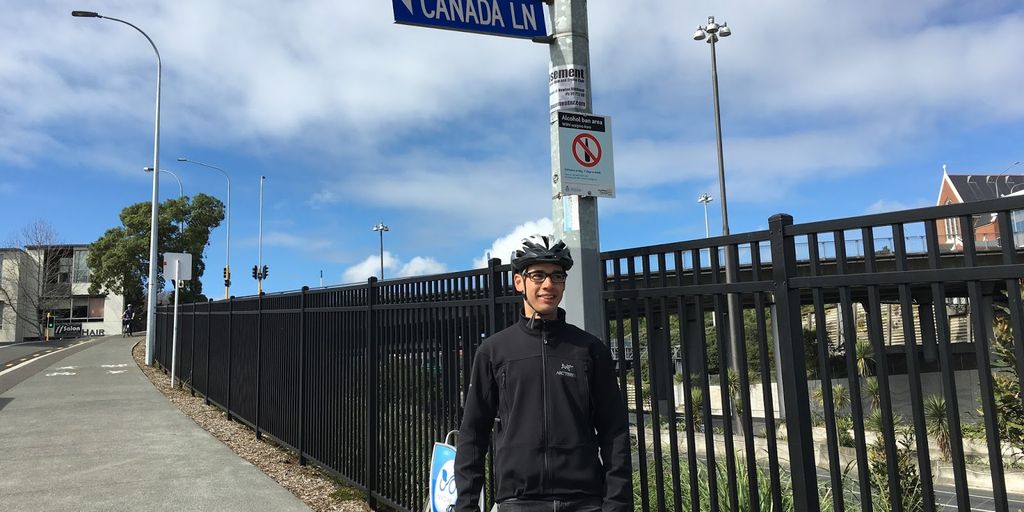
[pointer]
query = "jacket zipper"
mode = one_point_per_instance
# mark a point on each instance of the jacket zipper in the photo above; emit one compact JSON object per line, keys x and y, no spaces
{"x":544,"y":389}
{"x":504,"y":399}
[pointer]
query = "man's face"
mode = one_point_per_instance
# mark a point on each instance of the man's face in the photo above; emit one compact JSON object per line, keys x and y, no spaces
{"x":543,"y":297}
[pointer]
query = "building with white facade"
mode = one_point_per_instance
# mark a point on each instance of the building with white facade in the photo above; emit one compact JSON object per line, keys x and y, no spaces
{"x":38,"y":281}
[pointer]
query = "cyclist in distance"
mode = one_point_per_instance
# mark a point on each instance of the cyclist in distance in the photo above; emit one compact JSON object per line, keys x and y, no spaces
{"x":126,"y":321}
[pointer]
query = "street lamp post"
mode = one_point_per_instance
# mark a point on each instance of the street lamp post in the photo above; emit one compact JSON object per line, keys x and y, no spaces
{"x":712,"y":32}
{"x":227,"y":257}
{"x":259,"y":258}
{"x":155,"y":206}
{"x":381,"y":228}
{"x":181,"y":190}
{"x":705,"y":198}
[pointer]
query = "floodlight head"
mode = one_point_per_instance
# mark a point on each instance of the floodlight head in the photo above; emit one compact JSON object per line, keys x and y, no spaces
{"x":85,"y":14}
{"x":712,"y":27}
{"x":147,"y":169}
{"x":725,"y":31}
{"x":182,"y":159}
{"x":699,"y":35}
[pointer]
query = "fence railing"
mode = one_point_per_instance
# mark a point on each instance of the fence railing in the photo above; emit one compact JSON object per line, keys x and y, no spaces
{"x":363,"y":379}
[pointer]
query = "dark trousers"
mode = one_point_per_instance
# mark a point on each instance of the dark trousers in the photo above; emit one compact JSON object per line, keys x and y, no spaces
{"x":583,"y":505}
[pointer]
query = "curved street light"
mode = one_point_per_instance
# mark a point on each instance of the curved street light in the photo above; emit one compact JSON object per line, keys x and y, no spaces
{"x":154,"y":204}
{"x":381,"y":228}
{"x":181,"y":191}
{"x":227,"y":258}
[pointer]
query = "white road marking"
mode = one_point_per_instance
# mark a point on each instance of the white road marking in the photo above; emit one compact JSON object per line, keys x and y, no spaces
{"x":60,"y":373}
{"x":114,"y":366}
{"x":7,"y":370}
{"x":66,"y":368}
{"x":115,"y":372}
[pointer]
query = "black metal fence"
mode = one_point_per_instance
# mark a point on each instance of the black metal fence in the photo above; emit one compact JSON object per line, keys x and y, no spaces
{"x":751,"y":381}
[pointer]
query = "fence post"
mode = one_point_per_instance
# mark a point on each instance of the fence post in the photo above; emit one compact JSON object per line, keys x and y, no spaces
{"x":209,"y":341}
{"x":192,"y":356}
{"x":371,"y":391}
{"x":259,"y":359}
{"x":794,"y":370}
{"x":494,"y":284}
{"x":302,"y":376}
{"x":231,"y":321}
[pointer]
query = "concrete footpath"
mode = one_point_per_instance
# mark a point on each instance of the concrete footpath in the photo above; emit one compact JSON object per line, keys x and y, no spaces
{"x":90,"y":432}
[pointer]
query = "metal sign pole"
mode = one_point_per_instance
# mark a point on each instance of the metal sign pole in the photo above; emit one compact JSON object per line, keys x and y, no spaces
{"x":174,"y":330}
{"x":575,"y":217}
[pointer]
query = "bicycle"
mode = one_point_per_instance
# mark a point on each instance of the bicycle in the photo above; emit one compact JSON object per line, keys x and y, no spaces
{"x":126,"y":329}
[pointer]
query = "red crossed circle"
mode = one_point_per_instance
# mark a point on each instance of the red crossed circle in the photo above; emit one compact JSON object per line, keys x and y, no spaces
{"x":586,"y":150}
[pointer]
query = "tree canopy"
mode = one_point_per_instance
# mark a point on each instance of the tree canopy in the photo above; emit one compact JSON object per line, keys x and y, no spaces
{"x":119,"y":259}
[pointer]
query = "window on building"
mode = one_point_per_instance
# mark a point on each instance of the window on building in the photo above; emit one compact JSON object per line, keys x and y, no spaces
{"x":81,"y":267}
{"x":952,"y":227}
{"x":87,"y":309}
{"x":1018,"y":227}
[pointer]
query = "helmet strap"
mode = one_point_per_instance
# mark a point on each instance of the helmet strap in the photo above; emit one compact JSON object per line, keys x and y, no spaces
{"x":526,"y":298}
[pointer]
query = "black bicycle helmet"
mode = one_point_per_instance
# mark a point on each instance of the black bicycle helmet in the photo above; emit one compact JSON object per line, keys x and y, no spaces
{"x":541,"y":249}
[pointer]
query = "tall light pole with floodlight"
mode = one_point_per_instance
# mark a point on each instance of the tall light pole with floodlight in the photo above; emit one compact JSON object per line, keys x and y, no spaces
{"x":155,"y":206}
{"x":227,"y":257}
{"x":711,"y":33}
{"x":381,"y":228}
{"x":705,"y":198}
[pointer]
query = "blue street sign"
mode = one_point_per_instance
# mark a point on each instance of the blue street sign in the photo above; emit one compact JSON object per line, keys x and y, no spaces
{"x":510,"y":18}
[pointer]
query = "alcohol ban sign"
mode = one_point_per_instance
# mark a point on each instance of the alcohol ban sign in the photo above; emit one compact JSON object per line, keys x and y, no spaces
{"x":585,"y":155}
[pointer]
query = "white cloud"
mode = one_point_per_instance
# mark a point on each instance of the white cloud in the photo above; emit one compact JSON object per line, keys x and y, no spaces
{"x":503,"y":246}
{"x":370,"y":266}
{"x":886,"y":205}
{"x":420,"y":266}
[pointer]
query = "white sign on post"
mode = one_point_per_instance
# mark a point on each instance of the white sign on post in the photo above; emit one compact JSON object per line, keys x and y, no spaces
{"x":567,"y":88}
{"x":185,"y":268}
{"x":585,"y":155}
{"x":177,"y":266}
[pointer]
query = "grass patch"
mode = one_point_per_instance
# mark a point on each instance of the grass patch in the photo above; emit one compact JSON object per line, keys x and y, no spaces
{"x":346,"y":493}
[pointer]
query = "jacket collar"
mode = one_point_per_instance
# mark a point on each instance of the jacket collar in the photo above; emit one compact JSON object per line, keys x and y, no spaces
{"x":540,"y":325}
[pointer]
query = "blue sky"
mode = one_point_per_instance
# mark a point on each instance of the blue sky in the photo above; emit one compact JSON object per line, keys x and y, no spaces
{"x":830,"y":109}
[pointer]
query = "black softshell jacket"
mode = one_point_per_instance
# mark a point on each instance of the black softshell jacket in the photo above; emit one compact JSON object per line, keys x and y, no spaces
{"x":548,"y":392}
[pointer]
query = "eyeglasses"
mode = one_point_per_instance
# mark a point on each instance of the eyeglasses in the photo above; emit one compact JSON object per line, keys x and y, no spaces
{"x":538,"y":276}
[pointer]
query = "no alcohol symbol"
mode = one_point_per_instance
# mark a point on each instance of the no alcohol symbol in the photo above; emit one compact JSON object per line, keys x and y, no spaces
{"x":586,"y":150}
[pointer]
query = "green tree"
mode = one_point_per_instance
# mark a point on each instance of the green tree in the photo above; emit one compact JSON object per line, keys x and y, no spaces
{"x":120,"y":258}
{"x":1006,"y":382}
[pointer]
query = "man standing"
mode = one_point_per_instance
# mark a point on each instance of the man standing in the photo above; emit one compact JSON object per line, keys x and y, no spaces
{"x":547,"y":389}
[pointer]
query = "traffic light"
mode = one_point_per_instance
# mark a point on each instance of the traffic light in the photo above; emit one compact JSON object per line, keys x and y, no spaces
{"x":225,"y":272}
{"x":49,"y":321}
{"x":266,"y":270}
{"x":255,"y":272}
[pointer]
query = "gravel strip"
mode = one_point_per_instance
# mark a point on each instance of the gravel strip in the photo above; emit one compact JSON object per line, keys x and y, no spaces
{"x":308,"y":483}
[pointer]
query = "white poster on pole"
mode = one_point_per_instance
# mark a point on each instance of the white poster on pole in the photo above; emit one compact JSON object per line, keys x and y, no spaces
{"x":585,"y":155}
{"x":567,"y":88}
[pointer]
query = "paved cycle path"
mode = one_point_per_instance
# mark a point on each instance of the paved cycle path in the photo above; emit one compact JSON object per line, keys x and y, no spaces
{"x":90,"y":432}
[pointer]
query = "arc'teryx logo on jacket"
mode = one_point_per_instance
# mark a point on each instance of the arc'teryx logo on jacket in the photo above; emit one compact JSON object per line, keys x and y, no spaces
{"x":548,"y":391}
